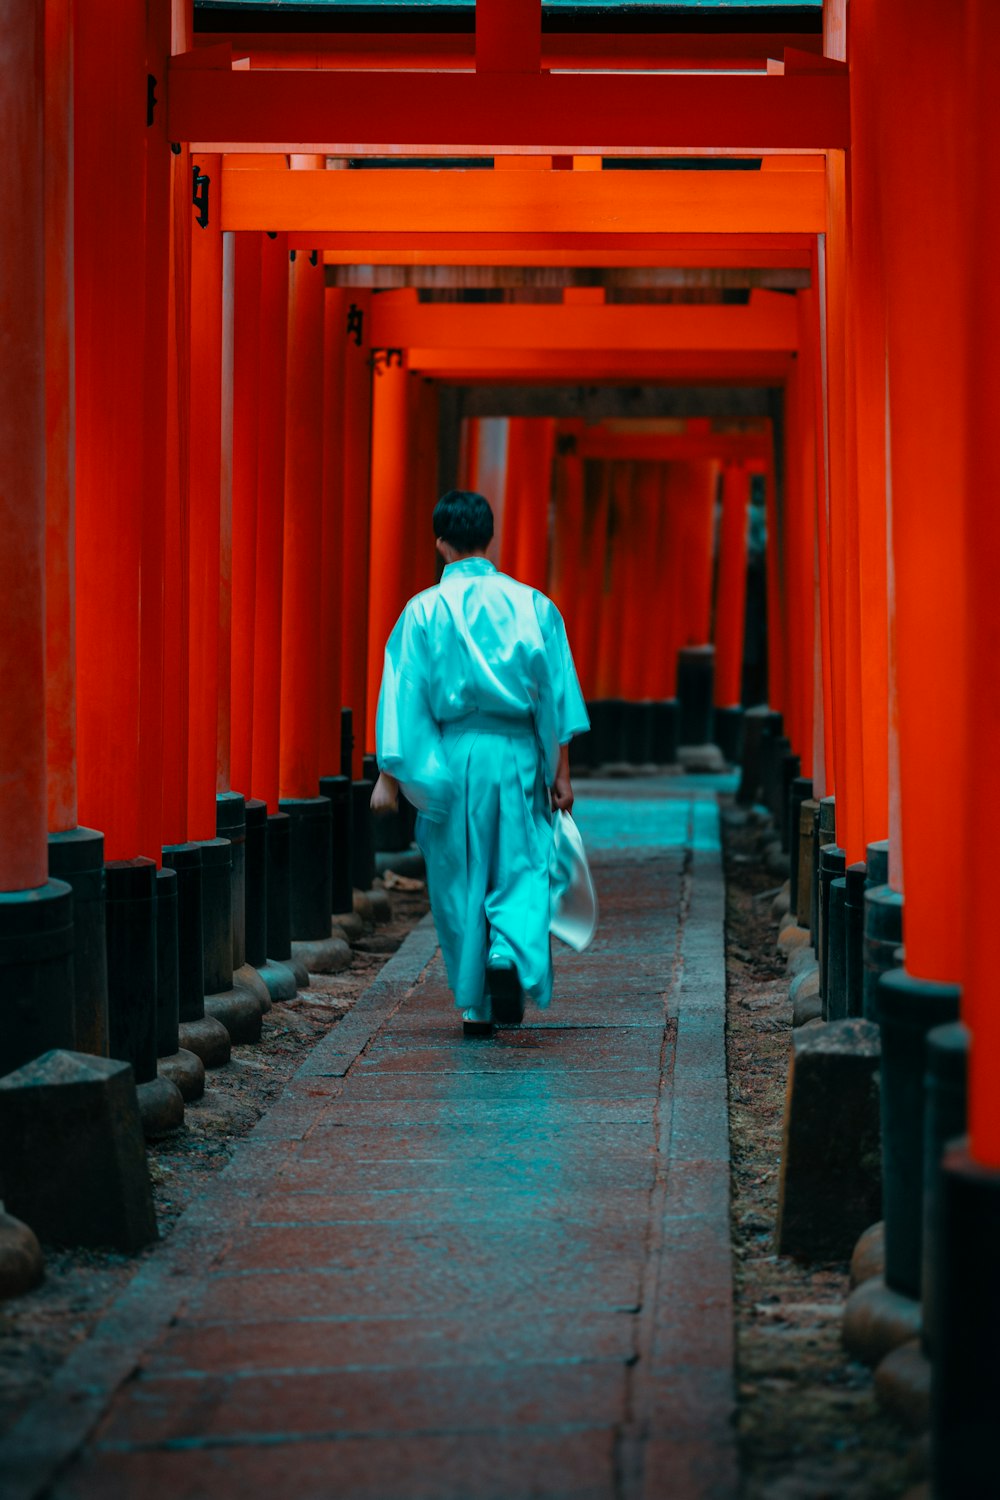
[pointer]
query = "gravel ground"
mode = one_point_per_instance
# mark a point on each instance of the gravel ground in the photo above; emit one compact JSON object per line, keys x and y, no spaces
{"x":37,"y":1332}
{"x":810,"y":1428}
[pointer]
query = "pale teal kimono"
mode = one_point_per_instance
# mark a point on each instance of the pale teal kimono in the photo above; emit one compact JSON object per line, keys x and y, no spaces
{"x":478,"y":693}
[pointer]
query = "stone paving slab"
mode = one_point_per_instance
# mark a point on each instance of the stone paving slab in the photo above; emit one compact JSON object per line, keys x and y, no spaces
{"x":442,"y":1270}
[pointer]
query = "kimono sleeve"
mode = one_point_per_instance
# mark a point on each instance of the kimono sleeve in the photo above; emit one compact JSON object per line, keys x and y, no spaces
{"x":561,"y":711}
{"x":407,"y":736}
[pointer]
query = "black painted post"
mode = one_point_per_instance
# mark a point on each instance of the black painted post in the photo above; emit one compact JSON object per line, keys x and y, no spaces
{"x":130,"y":913}
{"x":832,"y":863}
{"x":230,"y":823}
{"x":882,"y":937}
{"x":945,"y":1120}
{"x":801,"y":791}
{"x":665,"y":717}
{"x":338,"y":790}
{"x":362,"y":851}
{"x":167,"y":964}
{"x":310,"y":867}
{"x":695,"y":691}
{"x":856,"y":878}
{"x":185,"y":861}
{"x":908,"y":1009}
{"x":279,"y":923}
{"x":964,"y":1371}
{"x":217,"y":914}
{"x":346,"y":743}
{"x":77,"y":857}
{"x":255,"y":875}
{"x":36,"y":973}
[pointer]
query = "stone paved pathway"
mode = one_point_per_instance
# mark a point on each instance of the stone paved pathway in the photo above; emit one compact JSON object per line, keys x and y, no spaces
{"x":450,"y":1270}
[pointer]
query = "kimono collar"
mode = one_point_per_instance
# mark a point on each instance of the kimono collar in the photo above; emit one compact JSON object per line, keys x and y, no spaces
{"x":469,"y":567}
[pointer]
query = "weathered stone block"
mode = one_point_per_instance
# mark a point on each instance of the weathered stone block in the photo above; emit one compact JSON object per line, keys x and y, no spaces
{"x":831,"y":1181}
{"x":903,"y":1385}
{"x":72,"y":1155}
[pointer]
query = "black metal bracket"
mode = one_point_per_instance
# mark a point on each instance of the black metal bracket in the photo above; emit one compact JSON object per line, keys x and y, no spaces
{"x":199,"y":195}
{"x":151,"y":99}
{"x":314,"y":257}
{"x":355,"y":323}
{"x":384,"y":359}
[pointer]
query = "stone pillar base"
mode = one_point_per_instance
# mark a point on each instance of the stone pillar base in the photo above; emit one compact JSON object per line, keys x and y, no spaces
{"x":280,"y":980}
{"x":239,"y":1013}
{"x":208,"y":1039}
{"x":187,"y":1071}
{"x":161,"y":1108}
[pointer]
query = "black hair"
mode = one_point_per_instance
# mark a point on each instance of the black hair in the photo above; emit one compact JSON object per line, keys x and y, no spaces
{"x":465,"y":520}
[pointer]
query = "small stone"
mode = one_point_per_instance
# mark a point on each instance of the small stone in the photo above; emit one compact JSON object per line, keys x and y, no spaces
{"x":21,"y":1264}
{"x":207,"y":1039}
{"x":187,"y":1071}
{"x":793,"y":937}
{"x":239,"y":1013}
{"x":806,"y":981}
{"x":781,"y":904}
{"x":325,"y":956}
{"x":161,"y":1108}
{"x":806,"y":1008}
{"x":348,"y":925}
{"x":831,"y":1177}
{"x":786,"y":920}
{"x":877,"y":1320}
{"x":903,"y":1385}
{"x":380,"y":943}
{"x":868,"y":1259}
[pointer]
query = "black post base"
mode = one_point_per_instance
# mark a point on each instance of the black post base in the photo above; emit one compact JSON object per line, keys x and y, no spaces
{"x":309,"y":867}
{"x":964,"y":1379}
{"x":36,"y":973}
{"x":77,"y":856}
{"x":907,"y":1010}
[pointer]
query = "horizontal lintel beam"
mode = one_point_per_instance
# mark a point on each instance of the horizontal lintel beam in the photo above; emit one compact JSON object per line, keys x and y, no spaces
{"x":447,"y":50}
{"x":405,"y":203}
{"x":668,"y":448}
{"x":385,"y":112}
{"x":767,"y":324}
{"x":598,"y":367}
{"x":598,"y":403}
{"x":531,"y":278}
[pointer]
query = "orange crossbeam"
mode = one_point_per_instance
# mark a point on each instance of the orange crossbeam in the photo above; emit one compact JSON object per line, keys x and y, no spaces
{"x":455,"y":50}
{"x":444,"y":114}
{"x":409,"y":202}
{"x":589,"y":367}
{"x":673,"y":447}
{"x":766,"y":252}
{"x":767,"y":323}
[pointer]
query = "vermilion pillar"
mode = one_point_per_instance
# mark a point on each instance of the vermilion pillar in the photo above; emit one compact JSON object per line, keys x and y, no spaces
{"x":421,"y":557}
{"x":812,"y":347}
{"x":176,"y":577}
{"x":330,"y":698}
{"x":357,"y":460}
{"x":270,"y":520}
{"x":693,"y":488}
{"x":246,"y":429}
{"x":391,"y":461}
{"x":524,"y":544}
{"x":611,"y":622}
{"x":60,"y":433}
{"x":867,"y":386}
{"x":300,"y":614}
{"x":928,"y":391}
{"x":110,"y":51}
{"x":981,"y":559}
{"x":731,"y":586}
{"x":800,"y":561}
{"x":593,"y":572}
{"x":24,"y":856}
{"x":205,"y":488}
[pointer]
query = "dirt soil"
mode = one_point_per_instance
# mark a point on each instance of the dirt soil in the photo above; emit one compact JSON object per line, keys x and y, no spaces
{"x":809,"y":1424}
{"x":39,"y":1331}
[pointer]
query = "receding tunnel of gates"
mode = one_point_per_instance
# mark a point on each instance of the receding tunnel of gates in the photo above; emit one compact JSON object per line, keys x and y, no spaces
{"x":649,"y":532}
